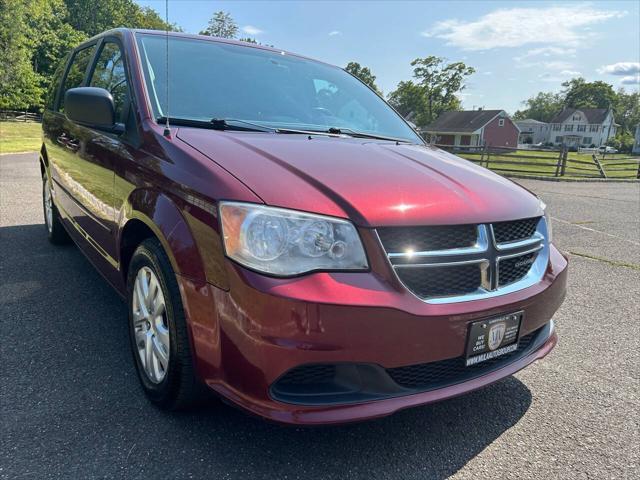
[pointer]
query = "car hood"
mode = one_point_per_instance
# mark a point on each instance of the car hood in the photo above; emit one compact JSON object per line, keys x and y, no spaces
{"x":373,"y":183}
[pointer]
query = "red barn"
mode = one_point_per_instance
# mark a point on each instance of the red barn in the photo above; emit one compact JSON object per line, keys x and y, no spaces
{"x":492,"y":128}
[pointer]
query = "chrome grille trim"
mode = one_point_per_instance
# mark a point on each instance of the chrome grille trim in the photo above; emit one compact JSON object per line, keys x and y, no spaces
{"x":486,"y":252}
{"x":481,"y":245}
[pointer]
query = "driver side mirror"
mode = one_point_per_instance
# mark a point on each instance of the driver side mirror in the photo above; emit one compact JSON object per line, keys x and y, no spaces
{"x":92,"y":107}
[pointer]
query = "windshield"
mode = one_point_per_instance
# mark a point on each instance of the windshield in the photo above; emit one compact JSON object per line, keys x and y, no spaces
{"x":224,"y":81}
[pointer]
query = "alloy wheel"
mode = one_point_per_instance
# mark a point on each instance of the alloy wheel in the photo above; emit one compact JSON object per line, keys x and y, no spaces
{"x":150,"y":325}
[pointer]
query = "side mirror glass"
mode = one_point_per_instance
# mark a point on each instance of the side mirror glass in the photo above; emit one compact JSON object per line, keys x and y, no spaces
{"x":92,"y":107}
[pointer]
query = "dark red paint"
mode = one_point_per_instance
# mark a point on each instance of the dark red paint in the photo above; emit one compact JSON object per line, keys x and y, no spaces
{"x":248,"y":329}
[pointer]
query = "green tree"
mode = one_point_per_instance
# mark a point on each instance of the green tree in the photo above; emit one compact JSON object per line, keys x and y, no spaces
{"x":408,"y":99}
{"x":623,"y":141}
{"x":50,"y":36}
{"x":20,"y":85}
{"x":579,"y":93}
{"x":364,"y":74}
{"x":93,"y":17}
{"x":627,"y":110}
{"x":542,"y":107}
{"x":221,"y":25}
{"x":433,"y":91}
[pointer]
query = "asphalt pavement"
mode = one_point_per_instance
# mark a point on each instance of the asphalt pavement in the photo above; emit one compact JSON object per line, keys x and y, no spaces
{"x":71,"y":407}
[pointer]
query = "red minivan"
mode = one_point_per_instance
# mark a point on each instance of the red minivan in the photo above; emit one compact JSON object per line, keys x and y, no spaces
{"x":283,"y":237}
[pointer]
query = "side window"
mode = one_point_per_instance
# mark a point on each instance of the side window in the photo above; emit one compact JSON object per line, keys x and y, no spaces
{"x":54,"y":85}
{"x":76,"y":72}
{"x":109,"y":74}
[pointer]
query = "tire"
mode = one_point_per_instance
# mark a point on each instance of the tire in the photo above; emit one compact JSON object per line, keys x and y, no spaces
{"x":52,"y":222}
{"x":169,"y":381}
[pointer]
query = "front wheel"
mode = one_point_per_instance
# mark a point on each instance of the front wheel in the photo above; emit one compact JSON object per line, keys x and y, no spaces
{"x":158,"y":330}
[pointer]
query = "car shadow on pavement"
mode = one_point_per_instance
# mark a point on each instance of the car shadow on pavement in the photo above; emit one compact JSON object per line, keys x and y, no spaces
{"x":68,"y":381}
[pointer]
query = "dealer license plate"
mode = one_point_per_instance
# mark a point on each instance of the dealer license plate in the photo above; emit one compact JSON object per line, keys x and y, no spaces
{"x":493,"y":337}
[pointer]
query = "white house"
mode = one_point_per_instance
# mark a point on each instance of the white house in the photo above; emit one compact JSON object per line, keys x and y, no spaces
{"x":636,"y":141}
{"x":532,"y":131}
{"x":582,"y":127}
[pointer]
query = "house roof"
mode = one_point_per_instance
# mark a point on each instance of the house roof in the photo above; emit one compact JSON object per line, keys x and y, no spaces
{"x":594,"y":115}
{"x":530,"y":120}
{"x":464,"y":121}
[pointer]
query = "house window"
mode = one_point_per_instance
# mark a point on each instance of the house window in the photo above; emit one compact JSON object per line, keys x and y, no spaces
{"x":501,"y":122}
{"x":586,"y":140}
{"x":568,"y":128}
{"x":576,"y":118}
{"x":556,"y":127}
{"x":593,"y":128}
{"x":582,"y":128}
{"x":558,"y":139}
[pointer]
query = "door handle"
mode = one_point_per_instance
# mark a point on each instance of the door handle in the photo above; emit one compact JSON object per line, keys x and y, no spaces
{"x":73,"y":145}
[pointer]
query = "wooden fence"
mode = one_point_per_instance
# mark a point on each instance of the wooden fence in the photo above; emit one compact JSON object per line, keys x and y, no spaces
{"x":19,"y":116}
{"x":554,"y":164}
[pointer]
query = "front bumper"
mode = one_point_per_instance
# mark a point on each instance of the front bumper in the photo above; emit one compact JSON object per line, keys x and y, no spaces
{"x":263,"y":327}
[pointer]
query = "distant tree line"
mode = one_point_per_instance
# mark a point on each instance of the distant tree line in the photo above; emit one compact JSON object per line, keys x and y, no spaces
{"x":36,"y":34}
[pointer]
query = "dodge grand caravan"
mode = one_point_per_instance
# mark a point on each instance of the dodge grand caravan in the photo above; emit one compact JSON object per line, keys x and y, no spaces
{"x":283,"y":237}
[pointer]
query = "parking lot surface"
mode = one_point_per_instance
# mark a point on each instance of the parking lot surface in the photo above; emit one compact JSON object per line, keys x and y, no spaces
{"x":71,"y":407}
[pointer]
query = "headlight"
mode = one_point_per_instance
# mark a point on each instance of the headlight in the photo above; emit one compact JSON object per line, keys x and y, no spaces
{"x":285,"y":242}
{"x":547,"y":219}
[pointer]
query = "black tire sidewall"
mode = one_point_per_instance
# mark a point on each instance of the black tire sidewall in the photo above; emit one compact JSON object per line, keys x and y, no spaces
{"x":57,"y":235}
{"x":161,"y":393}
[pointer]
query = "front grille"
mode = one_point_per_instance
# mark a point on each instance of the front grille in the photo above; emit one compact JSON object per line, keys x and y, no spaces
{"x":455,"y":263}
{"x":428,"y":282}
{"x":514,"y":268}
{"x":517,"y":230}
{"x":420,"y":239}
{"x":428,"y":376}
{"x":309,"y":375}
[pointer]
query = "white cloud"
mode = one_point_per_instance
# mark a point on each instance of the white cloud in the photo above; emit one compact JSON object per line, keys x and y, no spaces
{"x":621,"y":68}
{"x":546,"y":52}
{"x":487,"y":73}
{"x":333,"y":33}
{"x":630,"y":80}
{"x":556,"y":65}
{"x":515,"y":27}
{"x":251,"y":30}
{"x":558,"y":76}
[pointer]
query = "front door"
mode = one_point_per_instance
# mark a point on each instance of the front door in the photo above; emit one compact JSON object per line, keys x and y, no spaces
{"x":84,"y":166}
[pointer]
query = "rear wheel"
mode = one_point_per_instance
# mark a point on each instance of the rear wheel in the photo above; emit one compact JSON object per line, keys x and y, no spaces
{"x":158,"y":330}
{"x":55,"y":231}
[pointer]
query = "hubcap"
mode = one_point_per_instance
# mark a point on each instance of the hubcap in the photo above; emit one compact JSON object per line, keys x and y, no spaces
{"x":150,"y":325}
{"x":48,"y":207}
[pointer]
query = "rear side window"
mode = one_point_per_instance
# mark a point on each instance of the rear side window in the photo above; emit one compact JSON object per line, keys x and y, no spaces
{"x":75,"y":75}
{"x":109,"y":74}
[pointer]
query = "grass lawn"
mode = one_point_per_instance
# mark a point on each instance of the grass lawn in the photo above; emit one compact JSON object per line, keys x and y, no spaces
{"x":20,"y":137}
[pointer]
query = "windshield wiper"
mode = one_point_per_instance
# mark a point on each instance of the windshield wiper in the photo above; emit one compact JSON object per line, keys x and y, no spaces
{"x":217,"y":124}
{"x":357,"y":134}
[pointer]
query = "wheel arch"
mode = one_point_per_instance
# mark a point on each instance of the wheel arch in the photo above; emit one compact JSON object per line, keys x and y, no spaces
{"x":147,"y":213}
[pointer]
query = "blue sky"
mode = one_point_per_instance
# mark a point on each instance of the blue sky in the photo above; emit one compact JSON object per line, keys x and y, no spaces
{"x":517,"y":48}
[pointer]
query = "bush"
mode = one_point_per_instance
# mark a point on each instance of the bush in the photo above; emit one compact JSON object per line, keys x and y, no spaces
{"x":623,"y":142}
